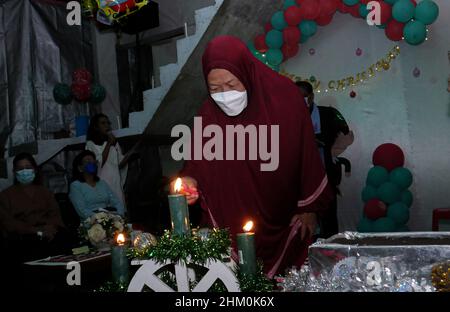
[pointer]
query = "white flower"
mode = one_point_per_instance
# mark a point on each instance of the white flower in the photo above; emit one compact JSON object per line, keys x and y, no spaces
{"x":101,"y":216}
{"x":96,"y":233}
{"x":118,"y":225}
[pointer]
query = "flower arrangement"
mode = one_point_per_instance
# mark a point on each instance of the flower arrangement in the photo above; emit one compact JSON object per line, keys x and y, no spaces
{"x":101,"y":228}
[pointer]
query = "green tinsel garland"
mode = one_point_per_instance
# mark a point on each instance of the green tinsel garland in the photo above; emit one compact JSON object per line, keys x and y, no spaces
{"x":112,"y":287}
{"x":186,"y":249}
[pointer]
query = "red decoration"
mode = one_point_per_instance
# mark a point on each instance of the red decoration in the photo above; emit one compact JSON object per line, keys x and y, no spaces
{"x":353,"y":94}
{"x":268,"y":27}
{"x":260,"y":43}
{"x":414,"y":2}
{"x":354,"y":10}
{"x":386,"y":12}
{"x":375,"y":209}
{"x":310,"y":9}
{"x":365,"y":1}
{"x":123,"y":7}
{"x":394,"y":30}
{"x":291,"y":35}
{"x":328,"y":7}
{"x":389,"y":156}
{"x":299,"y":2}
{"x":293,"y":15}
{"x":81,"y":91}
{"x":290,"y":50}
{"x":324,"y":20}
{"x":82,"y":75}
{"x":343,"y":8}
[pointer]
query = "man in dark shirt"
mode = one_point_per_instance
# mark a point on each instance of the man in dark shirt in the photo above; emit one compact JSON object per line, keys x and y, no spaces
{"x":333,"y":136}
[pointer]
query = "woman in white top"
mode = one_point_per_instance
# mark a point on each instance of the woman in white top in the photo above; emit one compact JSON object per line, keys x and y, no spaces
{"x":112,"y":165}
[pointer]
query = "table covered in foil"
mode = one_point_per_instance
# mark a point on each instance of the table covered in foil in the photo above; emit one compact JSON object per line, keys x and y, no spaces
{"x":360,"y":262}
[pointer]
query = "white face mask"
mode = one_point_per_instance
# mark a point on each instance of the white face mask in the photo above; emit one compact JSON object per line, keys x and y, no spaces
{"x":231,"y":102}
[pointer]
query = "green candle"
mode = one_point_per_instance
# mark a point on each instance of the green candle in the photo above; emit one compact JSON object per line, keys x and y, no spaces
{"x":246,"y":250}
{"x":179,"y":214}
{"x":120,"y":266}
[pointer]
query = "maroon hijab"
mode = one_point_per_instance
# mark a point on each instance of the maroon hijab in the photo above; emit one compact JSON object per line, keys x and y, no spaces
{"x":234,"y":191}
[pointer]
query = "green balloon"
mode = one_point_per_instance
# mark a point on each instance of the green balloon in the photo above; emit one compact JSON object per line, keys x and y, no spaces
{"x":391,"y":2}
{"x":363,"y":11}
{"x":308,"y":28}
{"x":274,"y":57}
{"x":398,"y":212}
{"x":402,"y":177}
{"x":260,"y":56}
{"x":403,"y":11}
{"x":403,"y":228}
{"x":278,"y":22}
{"x":377,"y":176}
{"x":62,"y":94}
{"x":274,"y":39}
{"x":368,"y":193}
{"x":415,"y":32}
{"x":288,"y":3}
{"x":365,"y":225}
{"x":427,"y":12}
{"x":98,"y":94}
{"x":384,"y":225}
{"x":350,"y":2}
{"x":251,"y":46}
{"x":304,"y":38}
{"x":389,"y":193}
{"x":407,"y":198}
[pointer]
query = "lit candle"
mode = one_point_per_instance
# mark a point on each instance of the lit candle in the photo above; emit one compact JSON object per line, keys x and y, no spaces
{"x":120,"y":266}
{"x":246,"y":249}
{"x":179,"y":211}
{"x":185,"y":30}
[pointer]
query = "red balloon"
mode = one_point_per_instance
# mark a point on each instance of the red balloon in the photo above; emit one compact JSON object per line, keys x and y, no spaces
{"x":328,"y":7}
{"x":82,"y":75}
{"x":394,"y":30}
{"x":365,"y":1}
{"x":324,"y":20}
{"x":290,"y":50}
{"x":81,"y":91}
{"x":386,"y":12}
{"x":343,"y":8}
{"x":389,"y":156}
{"x":375,"y":209}
{"x":354,"y":10}
{"x":268,"y":27}
{"x":299,"y":2}
{"x":291,"y":35}
{"x":293,"y":15}
{"x":260,"y":43}
{"x":414,"y":2}
{"x":310,"y":9}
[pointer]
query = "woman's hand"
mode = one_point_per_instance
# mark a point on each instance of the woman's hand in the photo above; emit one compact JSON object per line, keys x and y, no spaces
{"x":188,"y":188}
{"x":111,"y":139}
{"x":309,"y":223}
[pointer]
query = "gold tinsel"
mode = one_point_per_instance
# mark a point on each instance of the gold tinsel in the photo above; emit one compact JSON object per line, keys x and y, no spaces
{"x":440,"y":276}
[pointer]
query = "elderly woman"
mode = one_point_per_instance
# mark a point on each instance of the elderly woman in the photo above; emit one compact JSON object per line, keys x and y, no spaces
{"x":284,"y":202}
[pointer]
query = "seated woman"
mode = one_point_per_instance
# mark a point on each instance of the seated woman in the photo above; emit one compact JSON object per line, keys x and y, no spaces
{"x":29,"y":214}
{"x":88,"y":193}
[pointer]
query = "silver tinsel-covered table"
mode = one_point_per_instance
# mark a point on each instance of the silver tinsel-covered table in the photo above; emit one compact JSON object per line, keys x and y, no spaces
{"x":387,"y":262}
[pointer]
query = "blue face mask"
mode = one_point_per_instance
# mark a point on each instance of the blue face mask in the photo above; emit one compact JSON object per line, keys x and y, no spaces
{"x":90,"y":168}
{"x":25,"y":176}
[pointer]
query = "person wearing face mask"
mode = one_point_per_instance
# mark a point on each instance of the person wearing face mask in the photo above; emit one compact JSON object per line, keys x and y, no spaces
{"x":112,"y":164}
{"x":333,"y":136}
{"x":283,"y":203}
{"x":31,"y":226}
{"x":88,"y":193}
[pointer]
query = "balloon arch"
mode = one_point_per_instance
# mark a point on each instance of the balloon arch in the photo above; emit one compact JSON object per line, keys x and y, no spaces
{"x":298,"y":20}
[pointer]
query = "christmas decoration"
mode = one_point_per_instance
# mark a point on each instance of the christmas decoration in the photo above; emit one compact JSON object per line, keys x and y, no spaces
{"x":62,"y":94}
{"x":352,"y":94}
{"x":386,"y":186}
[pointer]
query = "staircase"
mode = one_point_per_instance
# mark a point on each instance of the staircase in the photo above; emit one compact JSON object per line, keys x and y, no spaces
{"x":168,"y":73}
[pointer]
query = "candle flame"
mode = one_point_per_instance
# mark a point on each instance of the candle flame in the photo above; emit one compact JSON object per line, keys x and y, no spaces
{"x":177,"y":187}
{"x":120,"y":239}
{"x":248,"y":226}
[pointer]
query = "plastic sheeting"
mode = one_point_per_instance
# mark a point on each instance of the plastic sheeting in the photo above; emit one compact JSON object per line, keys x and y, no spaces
{"x":37,"y":50}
